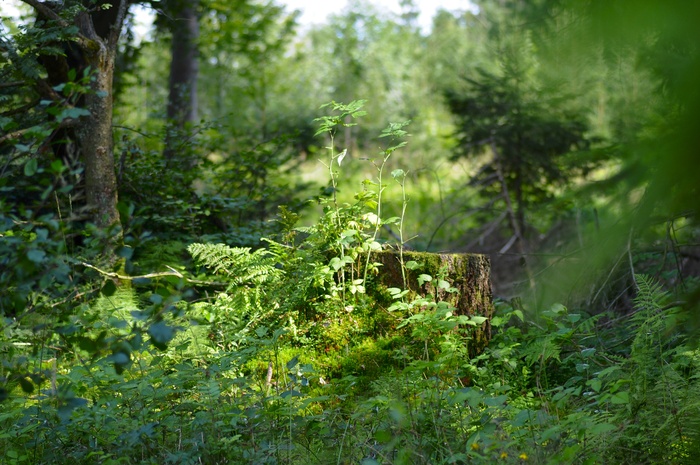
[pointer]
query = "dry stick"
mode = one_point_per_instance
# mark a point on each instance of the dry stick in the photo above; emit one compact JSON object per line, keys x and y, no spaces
{"x":629,"y":256}
{"x":612,"y":270}
{"x":511,"y":215}
{"x":268,"y":377}
{"x":676,"y":251}
{"x":11,"y":84}
{"x":172,"y":272}
{"x":14,"y":135}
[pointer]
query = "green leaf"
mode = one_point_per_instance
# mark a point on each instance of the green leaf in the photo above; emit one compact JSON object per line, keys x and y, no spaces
{"x":31,"y":167}
{"x":412,"y":265}
{"x":125,"y":252}
{"x":595,"y":384}
{"x":72,"y":113}
{"x":57,"y":166}
{"x":120,"y":358}
{"x":335,"y":263}
{"x":66,"y":409}
{"x":109,"y":288}
{"x":293,"y":362}
{"x":161,"y":334}
{"x":383,"y":436}
{"x":442,"y":284}
{"x":601,"y":428}
{"x":36,"y":255}
{"x":586,"y":353}
{"x":26,"y":385}
{"x":620,"y":398}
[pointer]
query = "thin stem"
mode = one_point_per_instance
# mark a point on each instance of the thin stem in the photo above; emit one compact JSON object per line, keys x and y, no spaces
{"x":342,"y":441}
{"x":404,"y":204}
{"x":378,"y":222}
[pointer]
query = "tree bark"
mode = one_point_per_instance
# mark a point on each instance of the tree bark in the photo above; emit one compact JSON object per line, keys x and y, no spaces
{"x":183,"y":21}
{"x":470,"y":274}
{"x":94,"y":47}
{"x":96,"y":141}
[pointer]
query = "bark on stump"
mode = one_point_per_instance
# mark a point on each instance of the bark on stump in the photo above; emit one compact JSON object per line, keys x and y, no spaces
{"x":470,"y":274}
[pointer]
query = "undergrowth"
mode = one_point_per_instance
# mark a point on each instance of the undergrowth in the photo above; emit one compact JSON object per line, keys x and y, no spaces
{"x":286,"y":354}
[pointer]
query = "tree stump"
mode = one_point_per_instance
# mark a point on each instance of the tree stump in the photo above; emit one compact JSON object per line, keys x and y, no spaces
{"x":470,"y":274}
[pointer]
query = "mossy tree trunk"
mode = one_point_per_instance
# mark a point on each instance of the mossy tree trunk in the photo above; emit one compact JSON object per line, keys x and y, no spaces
{"x":94,"y":38}
{"x":470,"y":274}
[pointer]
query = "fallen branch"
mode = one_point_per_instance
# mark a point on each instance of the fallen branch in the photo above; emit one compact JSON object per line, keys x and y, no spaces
{"x":171,"y":272}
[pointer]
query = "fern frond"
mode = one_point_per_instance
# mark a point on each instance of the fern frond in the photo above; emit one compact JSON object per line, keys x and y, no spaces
{"x":241,"y":265}
{"x":650,"y":294}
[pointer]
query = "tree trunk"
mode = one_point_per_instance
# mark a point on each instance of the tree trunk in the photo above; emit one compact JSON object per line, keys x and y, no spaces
{"x":184,"y":70}
{"x":93,"y":47}
{"x":96,"y":140}
{"x":470,"y":274}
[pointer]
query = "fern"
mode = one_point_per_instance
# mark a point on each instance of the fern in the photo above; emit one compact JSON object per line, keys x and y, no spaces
{"x":239,"y":264}
{"x":662,"y":394}
{"x":246,"y":302}
{"x":650,"y":294}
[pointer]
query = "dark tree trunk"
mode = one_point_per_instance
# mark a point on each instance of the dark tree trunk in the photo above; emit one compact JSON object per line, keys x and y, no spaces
{"x":183,"y":22}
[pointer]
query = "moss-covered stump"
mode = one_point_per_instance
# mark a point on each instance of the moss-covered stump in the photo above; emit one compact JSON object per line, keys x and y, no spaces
{"x":470,"y":274}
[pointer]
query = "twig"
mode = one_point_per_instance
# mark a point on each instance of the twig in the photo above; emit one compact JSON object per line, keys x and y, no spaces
{"x":46,"y":11}
{"x":21,"y":109}
{"x":14,"y":135}
{"x":126,"y":128}
{"x":511,"y":214}
{"x":12,"y":84}
{"x":602,"y":286}
{"x":629,"y":256}
{"x":66,"y":123}
{"x":172,"y":272}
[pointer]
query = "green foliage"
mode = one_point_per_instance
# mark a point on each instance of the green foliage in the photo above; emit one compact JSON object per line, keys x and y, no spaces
{"x":294,"y":353}
{"x":240,"y":265}
{"x":527,"y":136}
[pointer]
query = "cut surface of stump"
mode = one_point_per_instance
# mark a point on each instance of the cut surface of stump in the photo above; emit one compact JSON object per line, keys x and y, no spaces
{"x":470,"y":274}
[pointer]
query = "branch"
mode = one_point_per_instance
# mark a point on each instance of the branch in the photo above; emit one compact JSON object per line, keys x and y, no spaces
{"x":126,"y":128}
{"x":41,"y":8}
{"x":13,"y":135}
{"x":46,"y":11}
{"x":172,"y":272}
{"x":66,"y":123}
{"x":517,"y":234}
{"x":118,"y":23}
{"x":21,"y":109}
{"x":4,"y":85}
